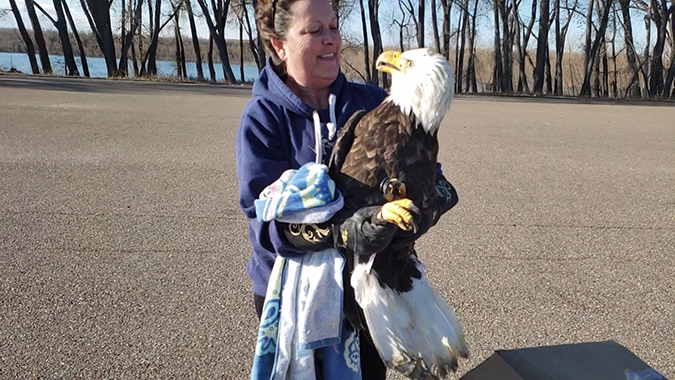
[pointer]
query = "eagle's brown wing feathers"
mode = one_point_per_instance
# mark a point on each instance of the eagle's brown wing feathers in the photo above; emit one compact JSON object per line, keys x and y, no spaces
{"x":385,"y":143}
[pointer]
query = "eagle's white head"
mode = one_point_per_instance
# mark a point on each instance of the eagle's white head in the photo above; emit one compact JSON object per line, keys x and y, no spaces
{"x":421,"y":82}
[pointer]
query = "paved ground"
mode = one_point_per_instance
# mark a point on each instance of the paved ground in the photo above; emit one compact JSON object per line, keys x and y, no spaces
{"x":122,"y":250}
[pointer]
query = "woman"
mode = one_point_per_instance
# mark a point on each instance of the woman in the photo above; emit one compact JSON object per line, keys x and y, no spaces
{"x":301,"y":88}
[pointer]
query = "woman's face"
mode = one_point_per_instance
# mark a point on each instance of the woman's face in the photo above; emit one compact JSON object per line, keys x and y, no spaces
{"x":311,"y":49}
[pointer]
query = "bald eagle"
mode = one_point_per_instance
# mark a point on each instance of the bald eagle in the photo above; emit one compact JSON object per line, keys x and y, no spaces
{"x":389,"y":156}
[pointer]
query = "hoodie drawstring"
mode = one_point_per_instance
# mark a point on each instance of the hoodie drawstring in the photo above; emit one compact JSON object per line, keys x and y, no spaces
{"x":318,"y":143}
{"x":332,"y":128}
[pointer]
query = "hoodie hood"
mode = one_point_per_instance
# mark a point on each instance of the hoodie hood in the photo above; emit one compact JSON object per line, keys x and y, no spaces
{"x":271,"y":87}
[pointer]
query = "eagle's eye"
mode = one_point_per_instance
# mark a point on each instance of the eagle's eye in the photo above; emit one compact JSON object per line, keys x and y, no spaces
{"x":410,"y":64}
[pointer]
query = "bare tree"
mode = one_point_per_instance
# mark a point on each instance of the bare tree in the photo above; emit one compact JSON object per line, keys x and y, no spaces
{"x":498,"y":69}
{"x":366,"y":59}
{"x":660,"y":14}
{"x":30,"y":49}
{"x":522,"y":48}
{"x":209,"y":58}
{"x":195,"y":40}
{"x":181,"y":67}
{"x":630,"y":46}
{"x":671,"y":71}
{"x":217,"y":29}
{"x":151,"y":55}
{"x":447,"y":13}
{"x":586,"y":85}
{"x":128,"y":35}
{"x":373,"y":13}
{"x":421,"y":22}
{"x":460,"y":64}
{"x":434,"y":26}
{"x":39,"y":37}
{"x":542,"y":47}
{"x":402,"y":24}
{"x":560,"y":37}
{"x":471,"y":84}
{"x":78,"y":40}
{"x":98,"y":16}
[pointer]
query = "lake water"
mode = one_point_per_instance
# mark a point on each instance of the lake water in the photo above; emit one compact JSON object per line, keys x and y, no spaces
{"x":97,"y":67}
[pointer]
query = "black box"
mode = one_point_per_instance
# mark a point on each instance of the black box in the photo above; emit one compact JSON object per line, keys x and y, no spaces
{"x":584,"y":361}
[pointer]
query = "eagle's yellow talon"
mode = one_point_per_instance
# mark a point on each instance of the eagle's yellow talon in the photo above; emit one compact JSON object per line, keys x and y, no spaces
{"x":398,"y":212}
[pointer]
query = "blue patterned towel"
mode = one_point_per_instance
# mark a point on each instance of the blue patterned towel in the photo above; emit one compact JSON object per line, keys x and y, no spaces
{"x":298,"y":323}
{"x":306,"y":195}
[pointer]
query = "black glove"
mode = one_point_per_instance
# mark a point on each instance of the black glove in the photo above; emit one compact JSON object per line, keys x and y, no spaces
{"x":357,"y":231}
{"x":446,"y":195}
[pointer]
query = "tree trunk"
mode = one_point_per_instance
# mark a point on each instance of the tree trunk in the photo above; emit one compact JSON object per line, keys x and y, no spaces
{"x":434,"y":26}
{"x":260,"y":63}
{"x":260,"y":48}
{"x":176,"y":32}
{"x":420,"y":23}
{"x":671,"y":71}
{"x":80,"y":47}
{"x":217,"y":32}
{"x":497,"y":70}
{"x":152,"y":50}
{"x":596,"y":75}
{"x":558,"y":88}
{"x":542,"y":47}
{"x":526,"y":40}
{"x":630,"y":46}
{"x":366,"y":59}
{"x":460,"y":66}
{"x":209,"y":57}
{"x":472,"y":50}
{"x":661,"y":14}
{"x":614,"y":85}
{"x":589,"y":38}
{"x":62,"y":28}
{"x":151,"y":17}
{"x":507,"y":48}
{"x":605,"y":70}
{"x":39,"y":38}
{"x":195,"y":40}
{"x":522,"y":79}
{"x":123,"y":65}
{"x":30,"y":49}
{"x":549,"y":84}
{"x":99,"y":14}
{"x":134,"y":59}
{"x":241,"y":53}
{"x":373,"y":10}
{"x":447,"y":9}
{"x":128,"y":38}
{"x":586,"y":86}
{"x":645,"y":64}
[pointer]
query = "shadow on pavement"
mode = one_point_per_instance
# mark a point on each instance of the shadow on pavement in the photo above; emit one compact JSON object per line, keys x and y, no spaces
{"x":104,"y":86}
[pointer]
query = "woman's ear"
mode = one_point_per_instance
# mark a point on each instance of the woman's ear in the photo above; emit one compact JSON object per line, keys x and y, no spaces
{"x":279,"y":47}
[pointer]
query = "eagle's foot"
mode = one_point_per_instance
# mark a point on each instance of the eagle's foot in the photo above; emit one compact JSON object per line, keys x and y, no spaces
{"x":393,"y":189}
{"x":401,"y":213}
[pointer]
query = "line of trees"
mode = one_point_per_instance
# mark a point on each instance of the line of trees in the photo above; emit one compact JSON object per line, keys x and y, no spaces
{"x":530,"y":50}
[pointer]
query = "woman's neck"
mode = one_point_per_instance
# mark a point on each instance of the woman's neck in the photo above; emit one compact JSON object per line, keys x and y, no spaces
{"x":317,"y":99}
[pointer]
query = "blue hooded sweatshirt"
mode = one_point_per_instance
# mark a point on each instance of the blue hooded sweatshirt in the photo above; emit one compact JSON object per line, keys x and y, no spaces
{"x":277,"y":133}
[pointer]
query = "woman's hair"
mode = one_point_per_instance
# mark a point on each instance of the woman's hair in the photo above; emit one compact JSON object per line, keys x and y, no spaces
{"x":273,"y":18}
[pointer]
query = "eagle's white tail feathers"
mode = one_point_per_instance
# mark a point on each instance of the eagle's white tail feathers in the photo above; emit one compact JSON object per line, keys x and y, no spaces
{"x":417,"y":332}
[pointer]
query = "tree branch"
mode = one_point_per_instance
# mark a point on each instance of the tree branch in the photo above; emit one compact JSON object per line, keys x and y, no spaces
{"x":46,"y":14}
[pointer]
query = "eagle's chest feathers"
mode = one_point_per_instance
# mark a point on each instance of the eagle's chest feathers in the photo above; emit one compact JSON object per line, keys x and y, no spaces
{"x":391,"y":144}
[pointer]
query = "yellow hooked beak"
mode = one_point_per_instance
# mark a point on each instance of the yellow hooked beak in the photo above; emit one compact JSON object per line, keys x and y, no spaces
{"x":391,"y":61}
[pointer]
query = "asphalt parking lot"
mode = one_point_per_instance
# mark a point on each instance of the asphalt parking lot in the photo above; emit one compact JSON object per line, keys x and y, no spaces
{"x":123,"y":251}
